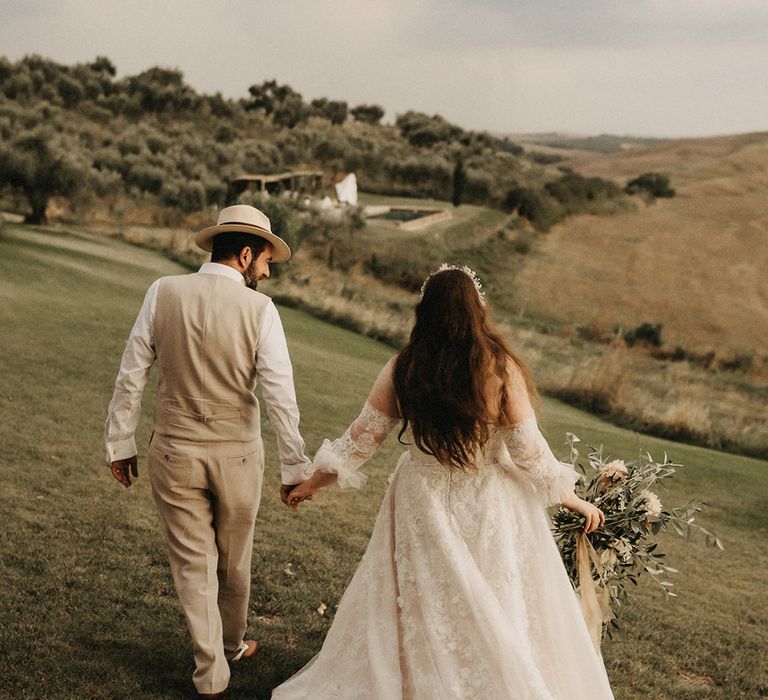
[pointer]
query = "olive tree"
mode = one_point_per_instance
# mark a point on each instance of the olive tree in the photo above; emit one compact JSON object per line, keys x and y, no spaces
{"x":41,"y":169}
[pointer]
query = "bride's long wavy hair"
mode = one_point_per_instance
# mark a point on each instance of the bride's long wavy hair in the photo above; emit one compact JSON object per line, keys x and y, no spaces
{"x":451,"y":379}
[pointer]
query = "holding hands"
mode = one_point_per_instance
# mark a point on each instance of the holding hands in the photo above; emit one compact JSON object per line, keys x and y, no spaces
{"x":292,"y":496}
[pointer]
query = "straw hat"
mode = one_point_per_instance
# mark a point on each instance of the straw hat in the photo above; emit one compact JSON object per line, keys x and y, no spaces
{"x":244,"y":219}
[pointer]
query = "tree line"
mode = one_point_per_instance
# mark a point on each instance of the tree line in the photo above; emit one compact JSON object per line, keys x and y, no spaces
{"x":81,"y":133}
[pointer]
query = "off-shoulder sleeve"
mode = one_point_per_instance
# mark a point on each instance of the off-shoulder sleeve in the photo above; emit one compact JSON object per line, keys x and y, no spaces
{"x":531,"y":454}
{"x":348,"y":453}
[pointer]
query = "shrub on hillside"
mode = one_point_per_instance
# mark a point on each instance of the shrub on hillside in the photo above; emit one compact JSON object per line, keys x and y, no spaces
{"x":645,"y":334}
{"x":369,"y":114}
{"x":539,"y":209}
{"x":335,"y":111}
{"x":422,"y":130}
{"x":71,"y":91}
{"x":17,"y":86}
{"x":225,"y":134}
{"x":478,"y":187}
{"x":145,"y":176}
{"x":363,"y":154}
{"x":397,"y":266}
{"x":512,"y":198}
{"x":217,"y":106}
{"x":545,"y":158}
{"x":291,"y":113}
{"x":257,"y":157}
{"x":6,"y":69}
{"x":286,"y":106}
{"x":105,"y":182}
{"x":574,"y":190}
{"x":162,"y":90}
{"x":524,"y":242}
{"x":215,"y":189}
{"x":654,"y":184}
{"x":429,"y":175}
{"x":507,"y":146}
{"x":332,"y":151}
{"x":182,"y":194}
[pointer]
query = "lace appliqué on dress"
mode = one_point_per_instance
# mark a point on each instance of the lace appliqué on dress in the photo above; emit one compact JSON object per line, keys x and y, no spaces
{"x":348,"y":453}
{"x":530,"y":452}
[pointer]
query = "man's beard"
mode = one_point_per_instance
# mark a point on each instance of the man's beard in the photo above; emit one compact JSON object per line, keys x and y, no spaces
{"x":251,"y":279}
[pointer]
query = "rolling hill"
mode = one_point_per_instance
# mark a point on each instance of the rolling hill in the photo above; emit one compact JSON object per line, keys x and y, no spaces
{"x":694,"y":263}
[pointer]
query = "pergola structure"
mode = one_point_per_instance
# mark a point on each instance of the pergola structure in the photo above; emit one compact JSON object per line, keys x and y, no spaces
{"x":276,"y":183}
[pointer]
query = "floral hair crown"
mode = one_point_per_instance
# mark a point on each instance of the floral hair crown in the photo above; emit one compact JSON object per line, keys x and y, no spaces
{"x":466,"y":270}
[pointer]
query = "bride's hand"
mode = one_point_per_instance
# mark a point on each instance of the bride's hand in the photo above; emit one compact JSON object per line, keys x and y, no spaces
{"x":593,"y":516}
{"x":308,"y":488}
{"x":302,"y":492}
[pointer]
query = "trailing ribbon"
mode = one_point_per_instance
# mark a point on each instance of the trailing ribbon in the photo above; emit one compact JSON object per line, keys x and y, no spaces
{"x":595,"y":600}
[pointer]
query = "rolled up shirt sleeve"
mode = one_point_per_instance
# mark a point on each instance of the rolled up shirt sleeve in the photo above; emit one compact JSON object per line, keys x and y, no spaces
{"x":125,"y":408}
{"x":273,"y":366}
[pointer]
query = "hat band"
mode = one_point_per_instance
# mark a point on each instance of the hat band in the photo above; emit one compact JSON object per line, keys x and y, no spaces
{"x":243,"y":223}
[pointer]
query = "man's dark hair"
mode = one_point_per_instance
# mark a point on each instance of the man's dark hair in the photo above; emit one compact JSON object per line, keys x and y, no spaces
{"x":228,"y":245}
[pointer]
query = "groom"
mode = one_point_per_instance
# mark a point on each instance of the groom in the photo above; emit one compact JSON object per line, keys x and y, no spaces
{"x":213,"y":337}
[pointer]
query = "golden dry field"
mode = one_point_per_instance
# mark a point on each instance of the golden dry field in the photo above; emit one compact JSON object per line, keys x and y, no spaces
{"x":695,"y":263}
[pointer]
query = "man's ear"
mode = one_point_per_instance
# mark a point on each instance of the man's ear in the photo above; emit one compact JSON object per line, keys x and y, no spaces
{"x":246,"y":257}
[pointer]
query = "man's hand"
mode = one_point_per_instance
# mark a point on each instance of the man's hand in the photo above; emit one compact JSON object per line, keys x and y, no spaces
{"x":285,"y":492}
{"x":307,"y":489}
{"x":301,"y":492}
{"x":123,"y":468}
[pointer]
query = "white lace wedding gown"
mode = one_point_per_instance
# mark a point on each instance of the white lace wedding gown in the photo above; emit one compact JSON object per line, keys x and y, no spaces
{"x":461,"y":592}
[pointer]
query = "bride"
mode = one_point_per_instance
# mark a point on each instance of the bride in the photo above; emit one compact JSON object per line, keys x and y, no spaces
{"x":461,"y":592}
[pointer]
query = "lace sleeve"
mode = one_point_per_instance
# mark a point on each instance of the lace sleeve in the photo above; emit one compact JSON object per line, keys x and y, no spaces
{"x":531,"y":454}
{"x":348,"y":453}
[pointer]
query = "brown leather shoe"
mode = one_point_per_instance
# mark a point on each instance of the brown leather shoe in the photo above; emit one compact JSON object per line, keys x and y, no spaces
{"x":253,"y":647}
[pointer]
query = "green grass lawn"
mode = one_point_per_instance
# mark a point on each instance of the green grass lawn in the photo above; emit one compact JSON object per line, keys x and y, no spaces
{"x":87,"y":608}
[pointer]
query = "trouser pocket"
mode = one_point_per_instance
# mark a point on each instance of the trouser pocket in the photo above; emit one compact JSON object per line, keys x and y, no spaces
{"x":170,"y":467}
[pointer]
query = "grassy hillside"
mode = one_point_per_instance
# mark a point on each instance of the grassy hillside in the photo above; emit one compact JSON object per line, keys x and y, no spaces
{"x":148,"y":149}
{"x":87,"y":603}
{"x":695,"y":263}
{"x":367,"y":279}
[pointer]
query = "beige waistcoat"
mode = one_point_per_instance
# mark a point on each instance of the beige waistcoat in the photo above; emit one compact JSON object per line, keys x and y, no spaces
{"x":206,"y":335}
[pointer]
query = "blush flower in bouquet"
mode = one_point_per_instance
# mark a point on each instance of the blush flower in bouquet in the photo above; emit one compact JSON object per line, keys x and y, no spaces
{"x":601,"y":565}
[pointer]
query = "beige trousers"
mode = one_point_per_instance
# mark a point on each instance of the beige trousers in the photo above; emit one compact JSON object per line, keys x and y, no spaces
{"x":208,"y":494}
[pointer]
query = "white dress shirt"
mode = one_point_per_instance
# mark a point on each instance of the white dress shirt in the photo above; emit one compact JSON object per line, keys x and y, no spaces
{"x":273,"y":367}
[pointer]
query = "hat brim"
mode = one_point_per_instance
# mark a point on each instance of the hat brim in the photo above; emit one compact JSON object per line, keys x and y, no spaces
{"x":280,"y":250}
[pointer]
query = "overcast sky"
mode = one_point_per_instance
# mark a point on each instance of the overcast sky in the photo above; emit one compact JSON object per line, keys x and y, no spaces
{"x":641,"y":67}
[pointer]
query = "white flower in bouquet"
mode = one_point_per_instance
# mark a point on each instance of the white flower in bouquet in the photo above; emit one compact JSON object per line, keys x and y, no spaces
{"x":652,"y":503}
{"x":613,"y":473}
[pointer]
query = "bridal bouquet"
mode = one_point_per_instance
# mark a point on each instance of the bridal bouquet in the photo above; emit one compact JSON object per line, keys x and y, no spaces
{"x":602,"y":564}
